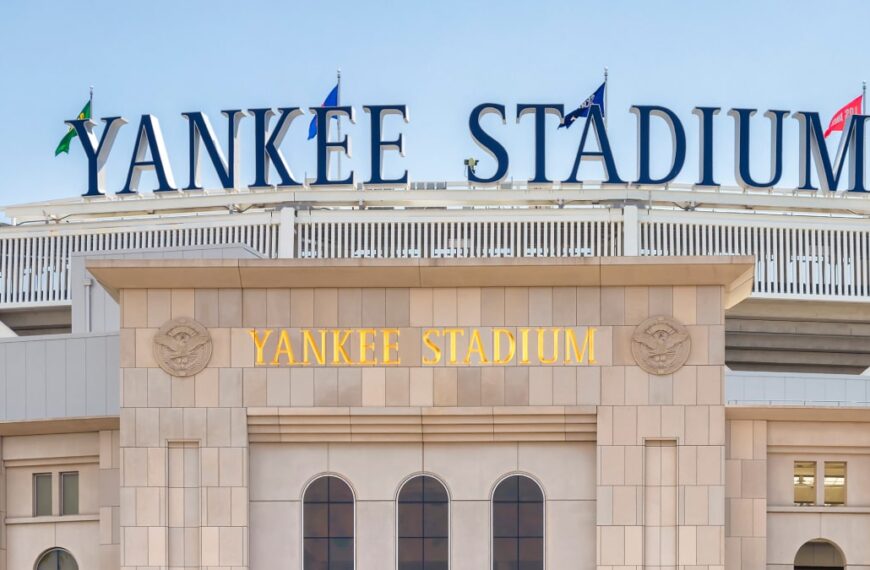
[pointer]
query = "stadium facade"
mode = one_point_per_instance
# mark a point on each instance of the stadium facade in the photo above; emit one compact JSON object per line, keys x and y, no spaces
{"x":434,"y":376}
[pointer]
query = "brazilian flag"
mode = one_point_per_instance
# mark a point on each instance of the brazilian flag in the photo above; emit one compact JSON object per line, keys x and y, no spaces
{"x":71,"y":133}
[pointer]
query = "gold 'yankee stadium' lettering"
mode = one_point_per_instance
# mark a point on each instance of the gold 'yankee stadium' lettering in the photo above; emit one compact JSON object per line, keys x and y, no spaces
{"x":450,"y":346}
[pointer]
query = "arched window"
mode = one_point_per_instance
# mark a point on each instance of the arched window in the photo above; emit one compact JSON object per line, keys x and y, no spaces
{"x":518,"y":525}
{"x":423,"y":524}
{"x":328,"y":525}
{"x":56,"y":559}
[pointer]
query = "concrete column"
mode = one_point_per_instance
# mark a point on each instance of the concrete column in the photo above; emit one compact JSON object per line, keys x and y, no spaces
{"x":746,"y":471}
{"x":630,"y":231}
{"x":286,"y":233}
{"x":110,"y":500}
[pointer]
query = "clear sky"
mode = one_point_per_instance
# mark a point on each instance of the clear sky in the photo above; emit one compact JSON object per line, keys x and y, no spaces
{"x":440,"y":58}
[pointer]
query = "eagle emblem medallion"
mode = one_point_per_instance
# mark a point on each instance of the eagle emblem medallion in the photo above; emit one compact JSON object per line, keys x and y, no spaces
{"x":661,"y":345}
{"x":182,"y":347}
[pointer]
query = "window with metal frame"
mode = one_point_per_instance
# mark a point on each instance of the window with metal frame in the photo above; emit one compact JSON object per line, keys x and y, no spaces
{"x":328,"y":525}
{"x":518,"y":525}
{"x":423,"y":526}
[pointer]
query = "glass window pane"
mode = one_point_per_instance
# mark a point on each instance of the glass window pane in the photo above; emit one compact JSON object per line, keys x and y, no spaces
{"x":316,"y":554}
{"x":435,"y":553}
{"x":531,"y":519}
{"x":410,"y":554}
{"x":316,"y":517}
{"x":433,"y":490}
{"x":805,"y":482}
{"x":341,"y":553}
{"x":48,"y":561}
{"x":835,"y":482}
{"x":504,"y":553}
{"x":412,"y":490}
{"x":318,"y":491}
{"x":67,"y":562}
{"x":411,"y":520}
{"x":435,"y":520}
{"x":341,"y":520}
{"x":507,"y":490}
{"x":339,"y":492}
{"x":57,"y":559}
{"x":69,"y":493}
{"x":531,"y":552}
{"x":42,"y":494}
{"x":505,"y":519}
{"x":528,"y":490}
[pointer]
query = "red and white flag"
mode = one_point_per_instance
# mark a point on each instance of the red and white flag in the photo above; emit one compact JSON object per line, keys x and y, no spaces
{"x":841,"y":117}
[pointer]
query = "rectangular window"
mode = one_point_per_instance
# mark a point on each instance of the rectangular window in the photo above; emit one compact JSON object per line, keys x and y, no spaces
{"x":69,"y":493}
{"x":42,"y":494}
{"x":805,"y":482}
{"x":835,"y":482}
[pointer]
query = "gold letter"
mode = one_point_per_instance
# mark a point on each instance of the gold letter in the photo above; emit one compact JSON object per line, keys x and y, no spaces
{"x":338,"y":349}
{"x":308,"y":341}
{"x":475,"y":346}
{"x":589,"y":341}
{"x":541,"y":340}
{"x":436,"y":350}
{"x":388,"y":346}
{"x":260,"y":343}
{"x":284,"y":347}
{"x":524,"y":346}
{"x":365,"y":346}
{"x":496,"y":348}
{"x":453,"y":333}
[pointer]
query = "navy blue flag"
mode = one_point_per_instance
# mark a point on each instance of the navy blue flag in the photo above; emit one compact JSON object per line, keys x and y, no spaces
{"x":596,"y":98}
{"x":330,"y":101}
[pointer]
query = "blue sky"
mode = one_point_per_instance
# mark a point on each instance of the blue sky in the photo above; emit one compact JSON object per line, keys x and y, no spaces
{"x":440,"y":58}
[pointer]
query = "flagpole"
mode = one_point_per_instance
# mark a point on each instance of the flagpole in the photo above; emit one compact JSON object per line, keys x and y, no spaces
{"x":338,"y":103}
{"x":863,"y":96}
{"x":605,"y":98}
{"x":91,"y":101}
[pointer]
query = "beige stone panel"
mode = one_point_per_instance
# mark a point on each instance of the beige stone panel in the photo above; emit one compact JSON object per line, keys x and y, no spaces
{"x":127,"y":344}
{"x":183,"y":303}
{"x":492,"y":386}
{"x":564,"y":386}
{"x":661,"y":301}
{"x":700,"y":345}
{"x":588,"y":386}
{"x":612,"y":305}
{"x":210,"y":545}
{"x":148,"y":506}
{"x":349,"y":387}
{"x":687,"y":538}
{"x":375,"y":480}
{"x":326,"y":387}
{"x":636,"y":386}
{"x":565,"y":470}
{"x":275,"y":535}
{"x":147,"y":427}
{"x":516,"y":306}
{"x":540,"y":306}
{"x":716,"y":505}
{"x":622,"y":346}
{"x":685,"y":304}
{"x":232,"y":466}
{"x":695,"y":506}
{"x":301,"y":387}
{"x":588,"y":306}
{"x":206,"y":306}
{"x":687,"y":464}
{"x":374,"y":307}
{"x":375,"y":541}
{"x":157,"y":552}
{"x":218,"y":506}
{"x":207,"y":387}
{"x":753,"y":482}
{"x":613,"y":386}
{"x":470,"y":540}
{"x":278,"y":307}
{"x":301,"y":307}
{"x":421,"y":389}
{"x":444,"y":305}
{"x":218,"y":427}
{"x":716,"y":344}
{"x":710,"y":468}
{"x":686,"y":386}
{"x":613,"y":545}
{"x":277,"y":386}
{"x":135,"y":546}
{"x":239,"y":500}
{"x":717,"y":425}
{"x":232,"y":550}
{"x":242,"y":351}
{"x":325,"y":307}
{"x":468,"y":304}
{"x":134,"y":308}
{"x":445,"y":386}
{"x":604,"y":425}
{"x":492,"y":311}
{"x":740,"y":517}
{"x":127,"y":421}
{"x":194,"y":423}
{"x":421,"y":307}
{"x":634,"y":464}
{"x":468,"y":387}
{"x":710,"y":545}
{"x":636,"y":305}
{"x":570,"y":523}
{"x":564,"y":306}
{"x":625,"y":507}
{"x":612,"y":465}
{"x":697,"y":425}
{"x":144,"y":350}
{"x":230,"y":307}
{"x":470,"y":470}
{"x":649,"y":421}
{"x":603,"y":346}
{"x":398,"y":303}
{"x":230,"y":381}
{"x":374,"y":387}
{"x":634,"y":545}
{"x":604,"y":505}
{"x":350,"y":307}
{"x":661,"y":389}
{"x":540,"y":386}
{"x":134,"y":387}
{"x":171,"y":424}
{"x":239,"y":427}
{"x":709,"y":305}
{"x":159,"y":393}
{"x":183,"y":391}
{"x":253,"y":307}
{"x":80,"y":538}
{"x":398,"y":389}
{"x":759,"y":440}
{"x":625,"y":430}
{"x":135,"y":467}
{"x":254,"y":386}
{"x":740,"y":439}
{"x":280,"y":471}
{"x":516,"y":386}
{"x":221,"y":348}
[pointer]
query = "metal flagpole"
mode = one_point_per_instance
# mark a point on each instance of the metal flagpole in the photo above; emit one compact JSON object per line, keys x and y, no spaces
{"x":863,"y":96}
{"x":338,"y":104}
{"x":605,"y":97}
{"x":91,"y":101}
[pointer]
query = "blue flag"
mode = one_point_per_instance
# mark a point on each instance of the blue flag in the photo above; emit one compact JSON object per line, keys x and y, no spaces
{"x":330,"y":101}
{"x":596,"y":98}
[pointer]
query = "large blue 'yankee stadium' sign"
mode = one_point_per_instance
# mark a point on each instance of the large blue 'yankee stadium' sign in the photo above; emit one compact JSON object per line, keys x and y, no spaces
{"x":272,"y":170}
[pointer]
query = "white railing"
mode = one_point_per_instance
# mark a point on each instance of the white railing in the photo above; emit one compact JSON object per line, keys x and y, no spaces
{"x":34,"y":263}
{"x":589,"y":233}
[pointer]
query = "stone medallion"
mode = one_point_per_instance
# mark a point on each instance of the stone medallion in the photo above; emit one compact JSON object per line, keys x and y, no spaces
{"x":182,"y":347}
{"x":661,"y":345}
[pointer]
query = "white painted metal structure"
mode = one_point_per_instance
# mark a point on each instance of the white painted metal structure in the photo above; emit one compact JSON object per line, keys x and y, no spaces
{"x":807,"y":245}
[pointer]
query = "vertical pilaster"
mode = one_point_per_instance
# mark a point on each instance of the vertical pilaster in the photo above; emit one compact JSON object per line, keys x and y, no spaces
{"x":746,"y":471}
{"x":630,"y":231}
{"x":286,"y":233}
{"x":2,"y":509}
{"x":110,"y":500}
